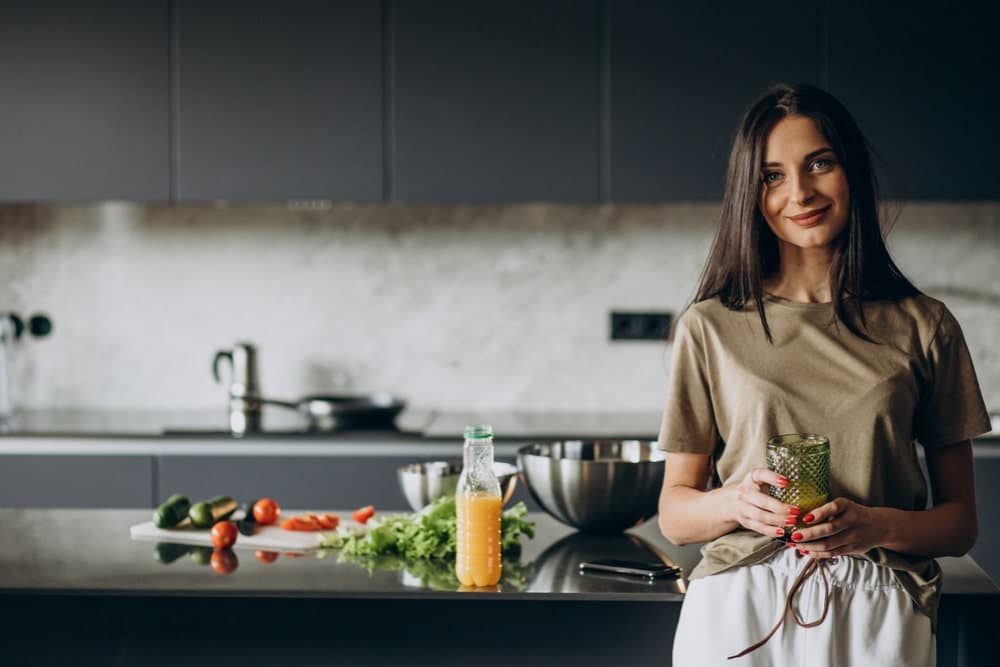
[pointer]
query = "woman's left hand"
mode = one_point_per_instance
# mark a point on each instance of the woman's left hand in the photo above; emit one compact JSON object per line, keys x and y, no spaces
{"x":840,"y":527}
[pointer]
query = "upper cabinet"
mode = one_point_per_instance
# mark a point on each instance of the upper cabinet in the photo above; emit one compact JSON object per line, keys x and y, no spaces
{"x":682,"y":75}
{"x":921,"y":80}
{"x":494,"y":102}
{"x":278,"y":100}
{"x":450,"y":101}
{"x":84,"y":109}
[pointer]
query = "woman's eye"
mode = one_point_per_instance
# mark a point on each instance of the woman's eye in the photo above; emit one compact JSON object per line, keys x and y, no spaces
{"x":771,"y":177}
{"x":823,"y":163}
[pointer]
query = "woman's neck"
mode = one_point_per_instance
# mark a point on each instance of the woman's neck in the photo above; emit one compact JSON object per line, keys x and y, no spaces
{"x":803,"y":275}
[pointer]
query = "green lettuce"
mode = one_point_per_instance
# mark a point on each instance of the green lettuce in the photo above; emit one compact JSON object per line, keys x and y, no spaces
{"x":425,"y":535}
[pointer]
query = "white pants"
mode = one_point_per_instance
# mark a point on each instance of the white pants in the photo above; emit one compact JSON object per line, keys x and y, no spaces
{"x":871,"y":620}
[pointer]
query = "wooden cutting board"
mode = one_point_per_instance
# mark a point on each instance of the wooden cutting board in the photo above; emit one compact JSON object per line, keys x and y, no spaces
{"x":265,"y":537}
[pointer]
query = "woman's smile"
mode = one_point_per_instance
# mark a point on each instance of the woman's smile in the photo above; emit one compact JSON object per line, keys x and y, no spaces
{"x":810,"y":218}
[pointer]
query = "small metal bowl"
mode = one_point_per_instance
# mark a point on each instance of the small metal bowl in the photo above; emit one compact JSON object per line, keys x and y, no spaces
{"x":422,"y":483}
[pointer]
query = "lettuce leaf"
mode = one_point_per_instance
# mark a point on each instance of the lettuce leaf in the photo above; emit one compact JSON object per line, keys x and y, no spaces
{"x":428,"y":534}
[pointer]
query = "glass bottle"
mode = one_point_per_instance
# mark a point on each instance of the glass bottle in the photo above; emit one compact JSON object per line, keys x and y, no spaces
{"x":478,"y":505}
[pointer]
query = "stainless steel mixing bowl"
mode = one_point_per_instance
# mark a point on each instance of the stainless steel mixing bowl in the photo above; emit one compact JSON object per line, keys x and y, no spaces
{"x":424,"y":482}
{"x":595,"y":486}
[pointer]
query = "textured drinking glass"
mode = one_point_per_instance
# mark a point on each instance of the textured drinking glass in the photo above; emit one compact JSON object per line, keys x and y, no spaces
{"x":804,"y":460}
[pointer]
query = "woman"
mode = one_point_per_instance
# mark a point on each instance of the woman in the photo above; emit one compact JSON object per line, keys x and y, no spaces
{"x":803,"y":323}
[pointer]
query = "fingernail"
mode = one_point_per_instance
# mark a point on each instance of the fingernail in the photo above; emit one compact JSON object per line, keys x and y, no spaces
{"x":795,"y":511}
{"x":808,"y":518}
{"x":789,"y":544}
{"x":804,"y":552}
{"x":796,"y":537}
{"x":791,"y":521}
{"x":779,"y":532}
{"x":783,"y":481}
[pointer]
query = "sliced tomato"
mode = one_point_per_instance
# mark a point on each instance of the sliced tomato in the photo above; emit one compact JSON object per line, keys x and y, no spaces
{"x":362,"y":514}
{"x":325,"y":521}
{"x":302,"y":522}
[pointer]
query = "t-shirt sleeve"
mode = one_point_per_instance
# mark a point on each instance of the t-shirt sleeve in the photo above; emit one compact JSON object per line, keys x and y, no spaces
{"x":951,"y":408}
{"x":689,"y":417}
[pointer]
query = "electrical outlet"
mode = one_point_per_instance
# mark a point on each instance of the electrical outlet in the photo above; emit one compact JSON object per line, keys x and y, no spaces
{"x":654,"y":325}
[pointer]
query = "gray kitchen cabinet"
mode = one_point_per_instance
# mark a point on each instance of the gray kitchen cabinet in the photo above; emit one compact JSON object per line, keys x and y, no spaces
{"x":987,"y":548}
{"x":313,"y":482}
{"x":75,"y":481}
{"x":308,"y":482}
{"x":920,"y":79}
{"x":494,"y":102}
{"x":85,"y":100}
{"x":278,"y":101}
{"x":681,"y":75}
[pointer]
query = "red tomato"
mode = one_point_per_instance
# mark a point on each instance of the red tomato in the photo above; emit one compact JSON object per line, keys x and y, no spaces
{"x":266,"y":511}
{"x":301,"y":522}
{"x":224,"y":561}
{"x":363,"y":514}
{"x":326,"y":521}
{"x":223,"y":534}
{"x":266,"y":556}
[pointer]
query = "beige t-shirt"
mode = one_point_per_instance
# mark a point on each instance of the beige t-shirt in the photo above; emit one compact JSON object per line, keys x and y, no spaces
{"x":730,"y":390}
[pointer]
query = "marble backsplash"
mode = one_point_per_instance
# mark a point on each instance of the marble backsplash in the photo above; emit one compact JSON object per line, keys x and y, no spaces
{"x":461,"y":307}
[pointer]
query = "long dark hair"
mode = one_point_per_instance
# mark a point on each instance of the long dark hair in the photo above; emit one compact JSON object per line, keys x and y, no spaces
{"x":745,"y":250}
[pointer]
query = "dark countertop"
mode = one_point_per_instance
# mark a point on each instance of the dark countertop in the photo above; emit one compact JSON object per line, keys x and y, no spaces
{"x":89,"y":552}
{"x":280,"y":423}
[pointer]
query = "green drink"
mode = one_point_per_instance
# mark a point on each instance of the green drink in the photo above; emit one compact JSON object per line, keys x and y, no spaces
{"x":804,"y":460}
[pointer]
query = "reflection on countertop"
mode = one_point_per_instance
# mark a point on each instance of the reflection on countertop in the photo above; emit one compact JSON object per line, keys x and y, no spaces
{"x":89,"y":552}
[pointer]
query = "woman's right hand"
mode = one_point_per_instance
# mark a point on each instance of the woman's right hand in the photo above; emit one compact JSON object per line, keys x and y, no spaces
{"x":756,"y":510}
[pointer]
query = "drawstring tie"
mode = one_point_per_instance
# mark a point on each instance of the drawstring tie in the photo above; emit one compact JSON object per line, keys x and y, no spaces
{"x":814,"y":565}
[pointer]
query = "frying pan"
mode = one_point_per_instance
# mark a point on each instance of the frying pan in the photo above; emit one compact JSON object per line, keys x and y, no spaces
{"x":344,"y":411}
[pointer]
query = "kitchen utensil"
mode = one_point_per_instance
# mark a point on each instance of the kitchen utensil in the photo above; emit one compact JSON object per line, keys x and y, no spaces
{"x":593,"y":485}
{"x":423,"y":483}
{"x":244,"y":386}
{"x":342,"y":411}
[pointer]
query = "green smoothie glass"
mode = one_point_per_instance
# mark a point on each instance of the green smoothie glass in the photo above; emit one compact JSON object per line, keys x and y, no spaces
{"x":804,"y":460}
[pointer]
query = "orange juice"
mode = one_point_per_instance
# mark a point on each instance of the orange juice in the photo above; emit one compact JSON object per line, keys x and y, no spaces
{"x":477,"y":561}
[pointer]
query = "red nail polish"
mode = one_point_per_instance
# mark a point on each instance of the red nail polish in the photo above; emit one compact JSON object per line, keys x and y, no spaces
{"x":782,"y":481}
{"x":796,"y":537}
{"x":779,"y":532}
{"x":804,"y":552}
{"x":808,"y":518}
{"x":795,"y":511}
{"x":791,"y":521}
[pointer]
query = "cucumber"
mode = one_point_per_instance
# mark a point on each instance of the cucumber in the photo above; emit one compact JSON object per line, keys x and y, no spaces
{"x":168,"y":552}
{"x":201,"y":555}
{"x":172,"y":512}
{"x":207,"y":512}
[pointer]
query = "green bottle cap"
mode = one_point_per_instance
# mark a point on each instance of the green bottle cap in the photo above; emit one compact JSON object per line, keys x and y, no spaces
{"x":478,"y":431}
